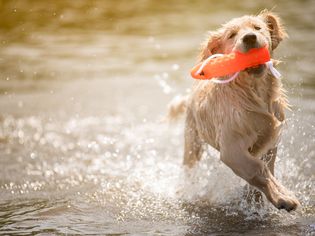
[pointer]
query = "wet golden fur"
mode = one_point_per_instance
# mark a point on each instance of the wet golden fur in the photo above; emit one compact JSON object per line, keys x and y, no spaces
{"x":241,"y":119}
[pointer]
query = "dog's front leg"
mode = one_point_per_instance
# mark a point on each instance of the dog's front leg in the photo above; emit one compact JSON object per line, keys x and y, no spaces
{"x":270,"y":159}
{"x":234,"y":153}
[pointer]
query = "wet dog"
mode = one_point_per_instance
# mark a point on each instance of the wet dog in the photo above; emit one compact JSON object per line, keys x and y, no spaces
{"x":241,"y":119}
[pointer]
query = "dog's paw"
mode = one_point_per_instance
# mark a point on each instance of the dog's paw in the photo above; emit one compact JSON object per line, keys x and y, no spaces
{"x":280,"y":197}
{"x":288,"y":203}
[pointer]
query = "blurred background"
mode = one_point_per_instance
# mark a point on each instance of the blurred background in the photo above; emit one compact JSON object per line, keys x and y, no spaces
{"x":84,"y":86}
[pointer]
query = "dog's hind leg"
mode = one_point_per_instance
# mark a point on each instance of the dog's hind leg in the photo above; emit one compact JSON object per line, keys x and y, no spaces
{"x":193,"y":144}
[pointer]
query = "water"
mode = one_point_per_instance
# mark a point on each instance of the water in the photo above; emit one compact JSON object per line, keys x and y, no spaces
{"x":84,"y":150}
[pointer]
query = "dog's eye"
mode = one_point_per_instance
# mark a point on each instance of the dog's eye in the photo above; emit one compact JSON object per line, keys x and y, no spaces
{"x":232,"y":35}
{"x":257,"y":27}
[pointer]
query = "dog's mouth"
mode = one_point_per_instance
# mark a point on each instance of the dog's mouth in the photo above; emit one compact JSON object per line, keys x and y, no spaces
{"x":257,"y":70}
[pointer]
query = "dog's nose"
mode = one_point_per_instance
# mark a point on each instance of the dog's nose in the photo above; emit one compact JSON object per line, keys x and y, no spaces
{"x":250,"y":39}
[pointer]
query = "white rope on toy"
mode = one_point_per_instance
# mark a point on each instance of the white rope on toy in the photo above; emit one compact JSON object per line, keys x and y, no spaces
{"x":273,"y":70}
{"x":205,"y":62}
{"x":219,"y":81}
{"x":269,"y":65}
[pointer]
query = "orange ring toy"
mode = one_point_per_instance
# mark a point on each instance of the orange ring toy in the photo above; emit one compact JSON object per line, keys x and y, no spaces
{"x":230,"y":63}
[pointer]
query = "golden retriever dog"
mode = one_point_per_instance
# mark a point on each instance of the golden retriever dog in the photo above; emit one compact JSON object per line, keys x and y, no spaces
{"x":241,"y":119}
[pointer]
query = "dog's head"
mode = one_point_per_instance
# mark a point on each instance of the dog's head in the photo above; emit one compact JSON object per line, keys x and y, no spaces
{"x":244,"y":33}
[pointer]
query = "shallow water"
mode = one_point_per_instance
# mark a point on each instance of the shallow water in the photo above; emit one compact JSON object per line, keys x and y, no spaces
{"x":83,"y":149}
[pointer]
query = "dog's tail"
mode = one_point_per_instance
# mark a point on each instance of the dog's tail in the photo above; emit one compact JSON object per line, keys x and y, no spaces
{"x":177,"y":107}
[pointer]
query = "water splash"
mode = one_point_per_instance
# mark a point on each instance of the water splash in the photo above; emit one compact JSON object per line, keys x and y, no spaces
{"x":140,"y":165}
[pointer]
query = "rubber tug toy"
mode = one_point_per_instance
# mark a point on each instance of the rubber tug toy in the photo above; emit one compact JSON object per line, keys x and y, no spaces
{"x":219,"y":65}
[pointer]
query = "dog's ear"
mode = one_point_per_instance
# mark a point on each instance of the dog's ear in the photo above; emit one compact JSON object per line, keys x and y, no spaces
{"x":276,"y":29}
{"x":211,"y":45}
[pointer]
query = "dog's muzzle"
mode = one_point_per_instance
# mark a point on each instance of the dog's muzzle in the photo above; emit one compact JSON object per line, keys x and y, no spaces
{"x":250,"y":41}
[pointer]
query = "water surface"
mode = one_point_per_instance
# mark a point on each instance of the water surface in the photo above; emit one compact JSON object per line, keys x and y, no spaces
{"x":83,"y":150}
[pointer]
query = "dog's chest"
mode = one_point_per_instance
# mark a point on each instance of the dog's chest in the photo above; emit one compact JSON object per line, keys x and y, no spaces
{"x":245,"y":111}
